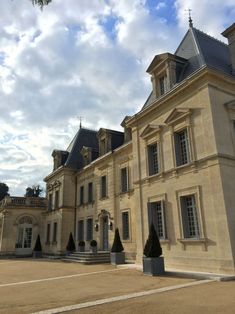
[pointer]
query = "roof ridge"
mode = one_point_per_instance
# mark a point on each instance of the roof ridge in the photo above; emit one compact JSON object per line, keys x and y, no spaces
{"x":211,"y":37}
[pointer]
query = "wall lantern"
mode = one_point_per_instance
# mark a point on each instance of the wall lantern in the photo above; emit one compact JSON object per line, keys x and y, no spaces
{"x":111,"y":225}
{"x":96,"y":227}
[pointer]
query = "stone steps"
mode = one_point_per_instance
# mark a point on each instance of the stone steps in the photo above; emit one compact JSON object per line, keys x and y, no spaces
{"x":100,"y":257}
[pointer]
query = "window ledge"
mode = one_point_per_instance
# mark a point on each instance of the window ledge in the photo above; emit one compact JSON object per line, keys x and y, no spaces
{"x":202,"y":241}
{"x":190,"y":164}
{"x":164,"y":241}
{"x":104,"y":198}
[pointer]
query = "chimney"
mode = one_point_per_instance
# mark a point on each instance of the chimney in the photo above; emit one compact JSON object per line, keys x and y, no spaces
{"x":229,"y":33}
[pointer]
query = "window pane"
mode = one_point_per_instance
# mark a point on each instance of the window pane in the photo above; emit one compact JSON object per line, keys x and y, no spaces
{"x":89,"y":229}
{"x":156,"y":216}
{"x":124,"y":182}
{"x":81,"y":195}
{"x":90,"y":192}
{"x":125,"y":226}
{"x":48,"y":232}
{"x":181,"y":148}
{"x":80,"y":230}
{"x":103,"y":187}
{"x":189,"y":216}
{"x":153,"y":159}
{"x":55,"y":232}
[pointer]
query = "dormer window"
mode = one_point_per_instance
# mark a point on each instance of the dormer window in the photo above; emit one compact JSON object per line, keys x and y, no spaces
{"x":162,"y":85}
{"x":102,"y":146}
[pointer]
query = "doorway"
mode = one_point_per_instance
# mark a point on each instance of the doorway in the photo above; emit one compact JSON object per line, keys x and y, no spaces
{"x":105,"y":233}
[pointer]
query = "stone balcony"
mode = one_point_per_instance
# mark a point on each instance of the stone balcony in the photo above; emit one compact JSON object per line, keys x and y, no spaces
{"x":15,"y":201}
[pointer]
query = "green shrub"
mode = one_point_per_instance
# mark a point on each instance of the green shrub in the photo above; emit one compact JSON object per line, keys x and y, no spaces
{"x":93,"y":243}
{"x":81,"y":243}
{"x":38,"y":246}
{"x":71,"y":245}
{"x":152,"y":246}
{"x":117,"y":243}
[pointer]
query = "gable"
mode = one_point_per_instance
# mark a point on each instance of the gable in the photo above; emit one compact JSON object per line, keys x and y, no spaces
{"x":150,"y":129}
{"x":177,"y":114}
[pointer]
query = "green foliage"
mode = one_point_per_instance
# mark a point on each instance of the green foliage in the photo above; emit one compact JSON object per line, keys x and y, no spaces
{"x":81,"y":243}
{"x":34,"y":191}
{"x":93,"y":243}
{"x":71,"y":245}
{"x":41,"y":3}
{"x":3,"y":190}
{"x":38,"y":246}
{"x":117,"y":243}
{"x":152,"y":246}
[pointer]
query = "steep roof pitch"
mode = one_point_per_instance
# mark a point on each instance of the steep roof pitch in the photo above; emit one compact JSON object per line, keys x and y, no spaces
{"x":200,"y":50}
{"x":84,"y":137}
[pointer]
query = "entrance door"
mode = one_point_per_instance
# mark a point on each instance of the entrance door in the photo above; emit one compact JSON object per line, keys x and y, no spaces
{"x":24,"y":239}
{"x":105,"y":234}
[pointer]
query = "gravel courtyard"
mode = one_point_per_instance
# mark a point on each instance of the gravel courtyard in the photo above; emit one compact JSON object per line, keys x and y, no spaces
{"x":29,"y":286}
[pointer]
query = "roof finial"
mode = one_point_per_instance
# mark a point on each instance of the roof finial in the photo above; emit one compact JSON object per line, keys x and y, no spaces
{"x":190,"y":18}
{"x":80,"y":119}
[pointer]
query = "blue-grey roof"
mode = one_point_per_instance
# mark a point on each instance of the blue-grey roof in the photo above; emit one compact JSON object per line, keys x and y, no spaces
{"x":200,"y":50}
{"x":84,"y":137}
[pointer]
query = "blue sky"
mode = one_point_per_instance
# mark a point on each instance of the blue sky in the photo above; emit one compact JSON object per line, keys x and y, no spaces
{"x":81,"y":58}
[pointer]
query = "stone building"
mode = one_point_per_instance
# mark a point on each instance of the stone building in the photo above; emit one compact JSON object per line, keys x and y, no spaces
{"x":173,"y":165}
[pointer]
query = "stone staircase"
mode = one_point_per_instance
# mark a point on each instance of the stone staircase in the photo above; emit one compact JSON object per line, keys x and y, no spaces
{"x":100,"y":257}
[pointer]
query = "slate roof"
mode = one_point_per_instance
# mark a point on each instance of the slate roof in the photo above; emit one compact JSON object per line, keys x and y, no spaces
{"x":84,"y":137}
{"x":200,"y":50}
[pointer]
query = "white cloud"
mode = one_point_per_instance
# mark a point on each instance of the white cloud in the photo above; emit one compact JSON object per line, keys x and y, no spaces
{"x":62,"y":62}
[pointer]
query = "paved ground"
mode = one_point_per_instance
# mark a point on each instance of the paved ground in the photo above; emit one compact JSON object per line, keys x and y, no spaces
{"x":28,"y":286}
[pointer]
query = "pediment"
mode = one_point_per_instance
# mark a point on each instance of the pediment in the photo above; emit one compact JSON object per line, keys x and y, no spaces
{"x":151,"y":129}
{"x":178,"y":114}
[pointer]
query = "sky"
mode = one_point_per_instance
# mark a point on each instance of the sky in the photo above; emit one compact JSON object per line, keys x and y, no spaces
{"x":80,"y":58}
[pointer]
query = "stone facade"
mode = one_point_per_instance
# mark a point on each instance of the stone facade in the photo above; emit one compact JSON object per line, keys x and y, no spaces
{"x":173,"y":166}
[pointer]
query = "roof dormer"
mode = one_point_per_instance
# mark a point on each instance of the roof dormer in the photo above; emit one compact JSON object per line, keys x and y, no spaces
{"x":165,"y":70}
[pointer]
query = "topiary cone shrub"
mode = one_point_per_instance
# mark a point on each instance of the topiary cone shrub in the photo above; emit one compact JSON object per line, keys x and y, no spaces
{"x":117,"y":255}
{"x":117,"y":243}
{"x":152,"y":246}
{"x":153,"y":262}
{"x":37,"y":251}
{"x":71,"y":245}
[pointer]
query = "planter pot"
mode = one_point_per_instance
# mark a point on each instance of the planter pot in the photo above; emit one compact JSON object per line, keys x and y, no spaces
{"x":117,"y":258}
{"x":81,"y":248}
{"x":37,"y":254}
{"x":93,"y":249}
{"x":153,"y":266}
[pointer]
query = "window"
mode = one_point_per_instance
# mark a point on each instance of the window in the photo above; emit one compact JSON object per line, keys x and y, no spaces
{"x":189,"y":217}
{"x":181,"y":147}
{"x":162,"y":85}
{"x":90,"y":192}
{"x":124,"y":180}
{"x":80,"y":230}
{"x":156,"y":216}
{"x":48,"y":233}
{"x":103,"y":186}
{"x":56,"y":199}
{"x":125,"y":226}
{"x":89,"y":229}
{"x":153,"y":159}
{"x":55,"y":232}
{"x":50,"y":202}
{"x":81,"y":195}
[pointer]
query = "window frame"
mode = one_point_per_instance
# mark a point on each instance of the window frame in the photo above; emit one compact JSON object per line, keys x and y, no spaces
{"x":150,"y":158}
{"x":124,"y":188}
{"x":153,"y":217}
{"x":178,"y":147}
{"x":89,"y":236}
{"x":81,"y":195}
{"x":126,"y":238}
{"x":103,"y":187}
{"x":48,"y":233}
{"x":79,"y":233}
{"x":90,"y":196}
{"x":55,"y":232}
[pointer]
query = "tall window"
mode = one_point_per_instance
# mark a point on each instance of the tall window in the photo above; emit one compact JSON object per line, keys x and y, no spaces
{"x":80,"y":230}
{"x":55,"y":232}
{"x":48,"y":237}
{"x":90,"y":192}
{"x":56,"y":199}
{"x":89,"y":229}
{"x":189,"y":216}
{"x":153,"y":159}
{"x":157,"y":217}
{"x":181,"y":147}
{"x":103,"y":186}
{"x":124,"y":180}
{"x":125,"y":226}
{"x":162,"y":86}
{"x":50,"y":202}
{"x":81,"y":195}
